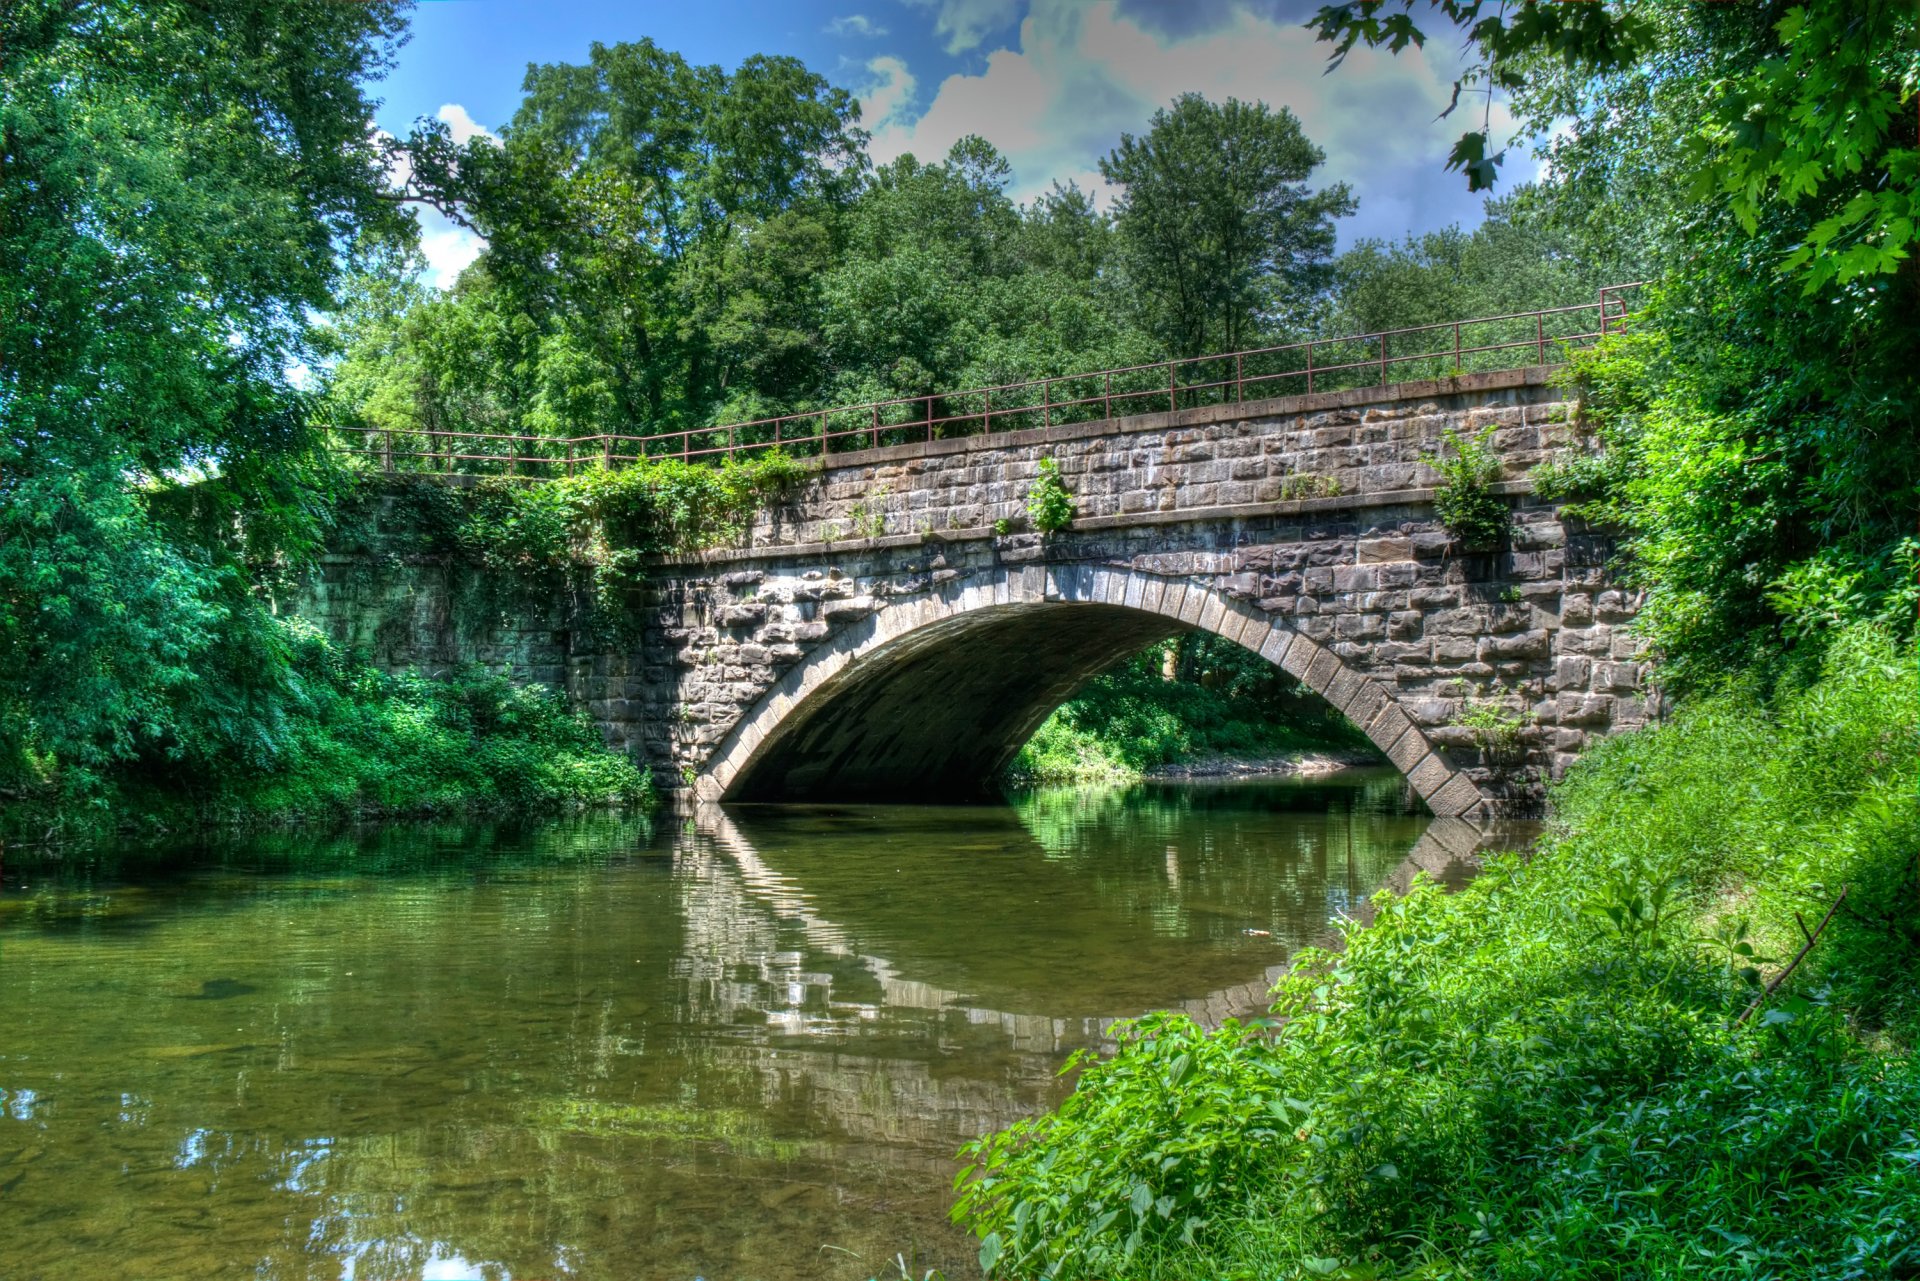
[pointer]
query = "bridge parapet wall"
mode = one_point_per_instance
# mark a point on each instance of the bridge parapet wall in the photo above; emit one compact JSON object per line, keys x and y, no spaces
{"x":1363,"y":445}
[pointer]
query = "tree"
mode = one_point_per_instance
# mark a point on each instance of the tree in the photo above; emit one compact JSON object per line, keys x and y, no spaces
{"x":1220,"y":235}
{"x":174,"y":184}
{"x":617,"y":209}
{"x":1760,"y":416}
{"x":1517,"y":260}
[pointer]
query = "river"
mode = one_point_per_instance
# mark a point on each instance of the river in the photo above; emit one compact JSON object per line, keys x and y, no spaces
{"x":740,"y":1045}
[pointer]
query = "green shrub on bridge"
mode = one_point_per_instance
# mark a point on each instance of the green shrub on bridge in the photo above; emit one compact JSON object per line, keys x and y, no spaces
{"x":1464,"y":501}
{"x":1049,"y":503}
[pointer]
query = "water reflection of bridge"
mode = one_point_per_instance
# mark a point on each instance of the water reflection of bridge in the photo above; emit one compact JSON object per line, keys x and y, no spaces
{"x":761,"y":953}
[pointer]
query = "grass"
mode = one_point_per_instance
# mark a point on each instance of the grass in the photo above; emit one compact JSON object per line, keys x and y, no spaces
{"x":1547,"y":1074}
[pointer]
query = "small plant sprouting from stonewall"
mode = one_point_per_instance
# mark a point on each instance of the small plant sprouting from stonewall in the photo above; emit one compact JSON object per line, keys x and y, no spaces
{"x":1477,"y":517}
{"x":1049,"y":503}
{"x":1307,"y":484}
{"x":1496,"y":731}
{"x":868,"y":517}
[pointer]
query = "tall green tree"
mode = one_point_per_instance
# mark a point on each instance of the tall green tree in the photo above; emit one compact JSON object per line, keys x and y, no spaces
{"x":176,"y":182}
{"x":1514,"y":261}
{"x":616,"y":207}
{"x":1764,"y":417}
{"x":1221,"y":236}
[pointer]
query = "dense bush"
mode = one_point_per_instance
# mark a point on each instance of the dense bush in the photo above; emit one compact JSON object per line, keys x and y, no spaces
{"x":1221,"y":702}
{"x":1546,"y":1075}
{"x":354,"y":742}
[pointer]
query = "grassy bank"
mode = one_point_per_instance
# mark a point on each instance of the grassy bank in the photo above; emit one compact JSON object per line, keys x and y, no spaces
{"x":1193,"y":698}
{"x":1551,"y":1073}
{"x":348,"y":742}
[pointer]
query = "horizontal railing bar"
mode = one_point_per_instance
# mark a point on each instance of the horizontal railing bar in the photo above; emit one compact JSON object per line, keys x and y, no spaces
{"x":816,"y":425}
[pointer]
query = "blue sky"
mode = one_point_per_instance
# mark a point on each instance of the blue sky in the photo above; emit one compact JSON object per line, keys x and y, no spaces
{"x":1053,"y":83}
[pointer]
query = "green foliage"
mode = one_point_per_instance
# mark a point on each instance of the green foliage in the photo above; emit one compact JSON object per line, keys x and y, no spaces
{"x":1765,"y":503}
{"x":1465,"y":501}
{"x":1217,"y":229}
{"x":1222,"y":702}
{"x":1761,"y":161}
{"x":174,"y":185}
{"x":1514,"y":261}
{"x":1049,"y":503}
{"x":366,"y":744}
{"x":1495,"y":729}
{"x":1541,"y":1074}
{"x":1574,"y":476}
{"x":1308,"y":484}
{"x":357,"y":743}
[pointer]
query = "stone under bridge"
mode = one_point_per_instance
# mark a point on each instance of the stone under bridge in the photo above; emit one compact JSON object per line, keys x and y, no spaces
{"x":889,"y":633}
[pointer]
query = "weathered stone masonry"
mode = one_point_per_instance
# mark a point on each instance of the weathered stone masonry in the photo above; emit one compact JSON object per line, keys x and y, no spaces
{"x":816,"y":661}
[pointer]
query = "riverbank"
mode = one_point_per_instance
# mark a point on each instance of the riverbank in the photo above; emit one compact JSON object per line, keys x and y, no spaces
{"x":1196,"y":707}
{"x":1622,"y":1056}
{"x":1304,"y":763}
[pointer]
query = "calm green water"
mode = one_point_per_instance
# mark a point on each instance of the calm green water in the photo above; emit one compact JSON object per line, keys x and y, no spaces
{"x":742,"y":1046}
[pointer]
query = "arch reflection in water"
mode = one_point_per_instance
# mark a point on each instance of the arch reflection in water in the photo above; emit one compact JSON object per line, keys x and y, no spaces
{"x":589,"y":1051}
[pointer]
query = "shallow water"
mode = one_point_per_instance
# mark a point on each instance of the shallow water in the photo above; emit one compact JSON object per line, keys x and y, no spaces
{"x":744,"y":1045}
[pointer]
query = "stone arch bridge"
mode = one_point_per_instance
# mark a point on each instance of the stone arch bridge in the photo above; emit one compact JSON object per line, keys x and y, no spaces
{"x":887,"y":633}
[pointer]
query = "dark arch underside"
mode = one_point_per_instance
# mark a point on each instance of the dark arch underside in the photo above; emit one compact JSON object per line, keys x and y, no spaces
{"x":938,"y":714}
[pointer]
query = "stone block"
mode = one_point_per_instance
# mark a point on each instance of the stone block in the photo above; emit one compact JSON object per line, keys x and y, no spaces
{"x":1320,"y":673}
{"x":1376,"y":550}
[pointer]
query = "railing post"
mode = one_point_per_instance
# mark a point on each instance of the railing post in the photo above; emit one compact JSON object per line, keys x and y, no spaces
{"x":386,"y":450}
{"x":1540,"y":337}
{"x":606,"y":451}
{"x":513,"y":455}
{"x":1173,"y":395}
{"x":1109,"y":396}
{"x":928,"y":402}
{"x":1383,"y":360}
{"x":988,"y":429}
{"x":1046,"y":402}
{"x":1239,"y":378}
{"x":731,"y":437}
{"x":875,"y":441}
{"x":1456,"y":346}
{"x":1309,"y":368}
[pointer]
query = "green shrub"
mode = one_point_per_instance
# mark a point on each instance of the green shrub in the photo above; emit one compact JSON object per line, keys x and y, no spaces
{"x":1049,"y":504}
{"x":356,"y":743}
{"x":1464,"y":501}
{"x":1544,"y":1075}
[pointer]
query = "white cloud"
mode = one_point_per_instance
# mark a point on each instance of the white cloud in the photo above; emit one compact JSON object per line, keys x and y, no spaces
{"x":887,"y":101}
{"x":966,"y":23}
{"x":855,"y":24}
{"x":448,"y":247}
{"x":1084,"y":73}
{"x":463,"y":126}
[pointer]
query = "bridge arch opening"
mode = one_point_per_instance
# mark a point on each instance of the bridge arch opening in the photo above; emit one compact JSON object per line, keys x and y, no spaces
{"x":929,"y":700}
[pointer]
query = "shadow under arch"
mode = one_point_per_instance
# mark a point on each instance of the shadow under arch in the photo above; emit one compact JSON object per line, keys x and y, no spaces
{"x":929,"y":699}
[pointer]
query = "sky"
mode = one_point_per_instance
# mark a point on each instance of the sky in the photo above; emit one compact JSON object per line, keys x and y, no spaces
{"x":1052,"y":83}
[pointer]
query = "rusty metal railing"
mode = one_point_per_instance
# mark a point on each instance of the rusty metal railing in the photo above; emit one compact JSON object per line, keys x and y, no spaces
{"x":1542,"y":337}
